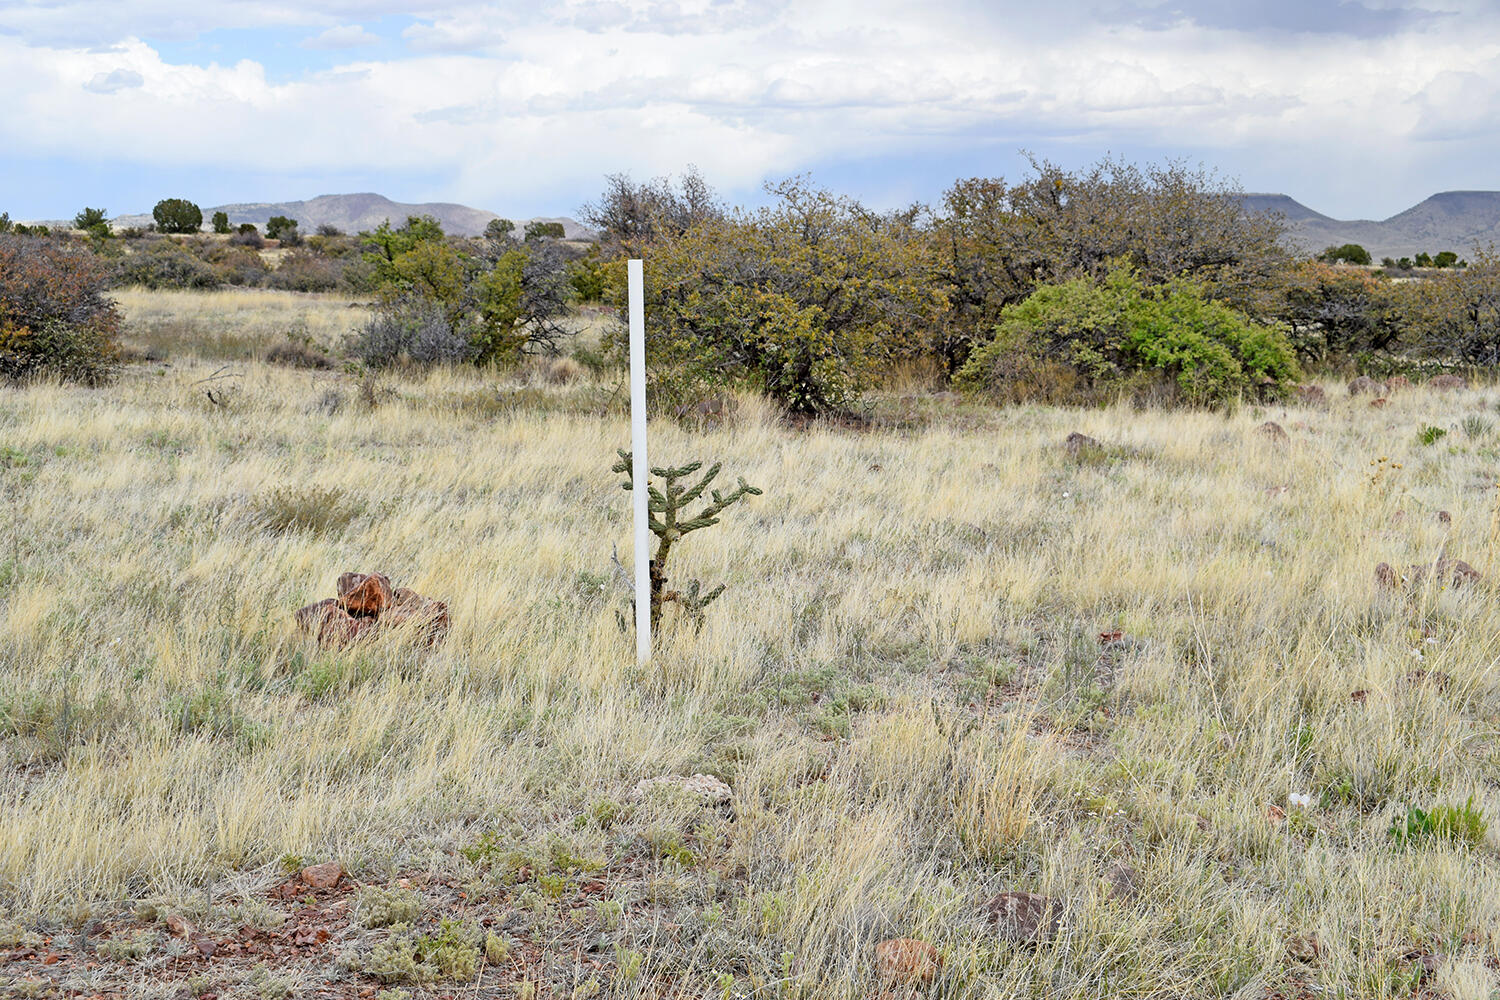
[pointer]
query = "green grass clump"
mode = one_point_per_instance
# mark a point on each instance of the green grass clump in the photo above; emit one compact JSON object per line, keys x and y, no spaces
{"x":450,"y":954}
{"x":1429,"y":434}
{"x":319,"y":510}
{"x":1461,"y":824}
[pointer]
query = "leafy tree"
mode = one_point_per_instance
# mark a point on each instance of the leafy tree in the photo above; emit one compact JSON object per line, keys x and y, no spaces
{"x":1445,"y":258}
{"x":93,"y":221}
{"x":1387,"y":262}
{"x":1085,"y":340}
{"x":177,"y":215}
{"x":588,"y":276}
{"x":5,"y":223}
{"x":805,"y":299}
{"x":996,"y":242}
{"x":247,"y":228}
{"x":1455,"y":314}
{"x":279,"y":225}
{"x":221,"y":222}
{"x":544,"y":231}
{"x":1336,"y":312}
{"x":499,"y":229}
{"x":1404,"y":264}
{"x":1423,"y":260}
{"x":630,"y":216}
{"x":1353,"y":253}
{"x":329,"y":230}
{"x":55,"y":317}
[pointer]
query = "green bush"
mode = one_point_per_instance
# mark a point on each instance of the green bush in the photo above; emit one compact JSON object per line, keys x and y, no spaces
{"x":1351,"y":252}
{"x":1464,"y":824}
{"x":1086,"y":341}
{"x":54,"y":316}
{"x":177,"y":215}
{"x":221,"y":223}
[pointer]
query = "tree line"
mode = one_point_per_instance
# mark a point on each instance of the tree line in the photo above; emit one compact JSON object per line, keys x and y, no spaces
{"x":1065,"y":285}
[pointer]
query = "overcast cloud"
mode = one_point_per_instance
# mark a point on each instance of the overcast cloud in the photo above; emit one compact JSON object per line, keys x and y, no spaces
{"x":1353,"y":108}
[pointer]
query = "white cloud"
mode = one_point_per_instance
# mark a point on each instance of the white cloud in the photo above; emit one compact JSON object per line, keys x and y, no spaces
{"x":346,"y":36}
{"x":118,"y":79}
{"x":511,"y":101}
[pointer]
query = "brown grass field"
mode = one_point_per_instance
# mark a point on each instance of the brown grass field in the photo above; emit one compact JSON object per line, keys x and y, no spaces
{"x":904,"y":686}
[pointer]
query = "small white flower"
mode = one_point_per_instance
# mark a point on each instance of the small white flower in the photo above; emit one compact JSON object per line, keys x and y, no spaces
{"x":1300,"y":800}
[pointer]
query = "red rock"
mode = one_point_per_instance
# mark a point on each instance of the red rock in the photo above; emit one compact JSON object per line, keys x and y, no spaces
{"x":1078,"y":444}
{"x":1446,"y":382}
{"x":1312,"y":395}
{"x":1444,"y":517}
{"x":1359,"y":697}
{"x":1378,"y":403}
{"x":206,"y":945}
{"x":180,"y":926}
{"x":1396,"y":383}
{"x":907,"y":961}
{"x":311,"y":617}
{"x":324,"y":876}
{"x":410,"y":606}
{"x":364,"y":594}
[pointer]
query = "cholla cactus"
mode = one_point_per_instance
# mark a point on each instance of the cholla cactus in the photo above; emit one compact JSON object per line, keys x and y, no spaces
{"x":666,"y":511}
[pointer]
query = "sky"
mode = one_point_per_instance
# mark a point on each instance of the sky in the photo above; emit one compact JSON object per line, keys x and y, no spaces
{"x":1357,"y":108}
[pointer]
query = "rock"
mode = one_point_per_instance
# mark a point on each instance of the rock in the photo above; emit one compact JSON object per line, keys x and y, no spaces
{"x":1379,"y":404}
{"x":1396,"y":383}
{"x":180,"y":926}
{"x":324,"y":876}
{"x":1447,"y":572}
{"x":709,"y":408}
{"x":1077,"y":443}
{"x":1444,"y":517}
{"x":1366,"y":384}
{"x":364,"y":594}
{"x":1025,"y":916}
{"x":206,"y":945}
{"x":1450,"y":572}
{"x":1275,"y":813}
{"x":710,"y":790}
{"x":409,"y":606}
{"x":1303,"y":947}
{"x":311,"y":617}
{"x":1271,"y":431}
{"x":340,"y":629}
{"x":907,"y":961}
{"x":1311,"y":395}
{"x":1444,"y":383}
{"x":1360,"y":696}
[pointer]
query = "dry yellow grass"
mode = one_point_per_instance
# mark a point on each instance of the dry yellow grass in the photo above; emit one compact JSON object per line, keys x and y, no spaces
{"x":903,"y":683}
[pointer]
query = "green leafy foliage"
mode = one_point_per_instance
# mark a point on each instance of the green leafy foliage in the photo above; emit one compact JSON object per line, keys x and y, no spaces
{"x":279,"y":226}
{"x":93,"y":221}
{"x":177,"y":215}
{"x":804,"y":299}
{"x":1461,"y":824}
{"x":1351,"y":253}
{"x":1085,"y":341}
{"x":221,"y":223}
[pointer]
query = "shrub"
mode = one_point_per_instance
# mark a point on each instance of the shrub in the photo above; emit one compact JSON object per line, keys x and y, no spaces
{"x":165,"y":264}
{"x":247,"y":236}
{"x":221,"y":223}
{"x":1464,"y":824}
{"x":93,"y":221}
{"x":1082,"y":341}
{"x":300,"y":271}
{"x":544,"y":231}
{"x":54,"y":316}
{"x":377,"y":907}
{"x":177,"y":215}
{"x":316,"y":509}
{"x":411,"y":331}
{"x":1353,"y":253}
{"x":278,"y":225}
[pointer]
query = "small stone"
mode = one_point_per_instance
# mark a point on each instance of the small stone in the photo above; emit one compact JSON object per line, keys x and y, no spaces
{"x":1365,"y":384}
{"x":1385,"y":577}
{"x":1025,"y":916}
{"x":1379,"y":404}
{"x":1303,"y":947}
{"x":1077,"y":444}
{"x":1272,"y":431}
{"x":1423,"y":678}
{"x":1275,"y":814}
{"x":1444,"y":383}
{"x":1359,"y":697}
{"x":364,"y":594}
{"x":409,"y":606}
{"x":206,"y":945}
{"x":1454,"y":572}
{"x":324,"y":876}
{"x":1444,"y":517}
{"x":180,"y":926}
{"x":709,"y":790}
{"x":1396,"y":383}
{"x":907,"y":961}
{"x":1311,"y":395}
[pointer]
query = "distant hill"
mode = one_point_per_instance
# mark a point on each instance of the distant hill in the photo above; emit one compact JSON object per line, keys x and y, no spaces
{"x":354,"y":212}
{"x":1451,"y":220}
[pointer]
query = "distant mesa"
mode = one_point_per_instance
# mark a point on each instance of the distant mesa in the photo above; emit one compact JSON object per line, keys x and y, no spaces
{"x":1450,"y":220}
{"x":355,"y":212}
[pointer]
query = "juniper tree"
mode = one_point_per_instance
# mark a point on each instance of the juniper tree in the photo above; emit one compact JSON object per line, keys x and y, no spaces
{"x":666,"y":509}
